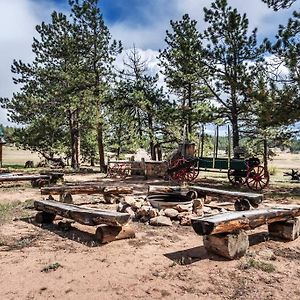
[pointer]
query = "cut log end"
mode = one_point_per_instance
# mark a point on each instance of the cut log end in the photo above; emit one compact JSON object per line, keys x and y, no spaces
{"x":289,"y":230}
{"x":105,"y":233}
{"x":232,"y":245}
{"x":66,"y":198}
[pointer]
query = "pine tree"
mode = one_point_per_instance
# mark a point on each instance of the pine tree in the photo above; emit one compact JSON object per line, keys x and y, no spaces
{"x":229,"y":53}
{"x":98,"y":53}
{"x":180,"y":65}
{"x":279,"y":4}
{"x":140,"y":99}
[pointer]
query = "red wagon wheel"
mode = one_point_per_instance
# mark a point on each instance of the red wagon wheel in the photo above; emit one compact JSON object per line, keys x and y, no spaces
{"x":257,"y":178}
{"x":235,"y":179}
{"x":186,"y":174}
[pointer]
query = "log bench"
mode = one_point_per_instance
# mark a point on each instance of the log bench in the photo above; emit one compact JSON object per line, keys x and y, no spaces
{"x":244,"y":200}
{"x":37,"y":180}
{"x":65,"y":192}
{"x":112,"y":225}
{"x":224,"y":234}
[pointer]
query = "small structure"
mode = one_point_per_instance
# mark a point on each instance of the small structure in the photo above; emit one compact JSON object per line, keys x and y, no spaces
{"x":2,"y":142}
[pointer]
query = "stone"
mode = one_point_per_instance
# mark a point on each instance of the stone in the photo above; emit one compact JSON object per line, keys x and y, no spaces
{"x":186,"y":220}
{"x":122,"y":206}
{"x":171,"y":213}
{"x":198,"y":203}
{"x":110,"y":199}
{"x":160,"y":221}
{"x":152,"y":212}
{"x":130,"y":211}
{"x":182,"y":215}
{"x":183,"y":208}
{"x":267,"y":254}
{"x":199,"y":212}
{"x":208,"y":199}
{"x":143,"y":211}
{"x":206,"y":210}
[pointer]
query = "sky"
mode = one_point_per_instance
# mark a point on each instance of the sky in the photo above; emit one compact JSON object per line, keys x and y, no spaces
{"x":142,"y":23}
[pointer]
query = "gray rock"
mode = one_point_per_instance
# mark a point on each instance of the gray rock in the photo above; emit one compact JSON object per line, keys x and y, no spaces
{"x":171,"y":213}
{"x":160,"y":221}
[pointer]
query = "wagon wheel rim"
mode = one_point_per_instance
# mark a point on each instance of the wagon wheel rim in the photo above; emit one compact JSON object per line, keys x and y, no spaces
{"x":257,"y":178}
{"x":234,"y":179}
{"x":184,"y":175}
{"x":177,"y":176}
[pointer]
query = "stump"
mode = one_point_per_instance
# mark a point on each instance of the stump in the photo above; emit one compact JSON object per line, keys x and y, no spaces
{"x":231,"y":245}
{"x":106,"y":233}
{"x":289,"y":230}
{"x":66,"y":198}
{"x":44,"y":217}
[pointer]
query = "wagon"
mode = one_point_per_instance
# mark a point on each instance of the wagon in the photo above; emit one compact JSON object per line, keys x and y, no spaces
{"x":185,"y":167}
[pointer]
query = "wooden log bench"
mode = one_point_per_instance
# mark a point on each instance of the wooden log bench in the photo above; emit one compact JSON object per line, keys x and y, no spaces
{"x":112,"y":225}
{"x":65,"y":192}
{"x":224,"y":234}
{"x":244,"y":200}
{"x":37,"y":180}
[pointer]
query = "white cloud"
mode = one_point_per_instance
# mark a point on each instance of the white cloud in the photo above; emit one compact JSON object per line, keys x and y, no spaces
{"x":18,"y":19}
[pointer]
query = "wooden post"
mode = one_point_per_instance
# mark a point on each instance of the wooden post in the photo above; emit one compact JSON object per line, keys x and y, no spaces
{"x":289,"y":230}
{"x":232,"y":245}
{"x":106,"y":234}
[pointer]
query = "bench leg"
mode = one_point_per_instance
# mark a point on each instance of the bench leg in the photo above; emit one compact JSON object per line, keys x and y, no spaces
{"x":66,"y":198}
{"x":106,"y":233}
{"x":229,"y":245}
{"x":289,"y":230}
{"x":44,"y":217}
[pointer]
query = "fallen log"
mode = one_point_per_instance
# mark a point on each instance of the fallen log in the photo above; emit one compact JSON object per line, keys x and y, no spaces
{"x":86,"y":216}
{"x":106,"y":234}
{"x":233,"y":221}
{"x":254,"y":198}
{"x":23,"y":177}
{"x":85,"y":189}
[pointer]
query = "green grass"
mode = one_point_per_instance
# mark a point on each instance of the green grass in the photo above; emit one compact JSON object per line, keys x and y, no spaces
{"x":51,"y":267}
{"x":13,"y":166}
{"x":11,"y":210}
{"x":259,"y":265}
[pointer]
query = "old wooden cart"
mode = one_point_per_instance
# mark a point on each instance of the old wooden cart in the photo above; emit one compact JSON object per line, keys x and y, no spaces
{"x":185,"y":167}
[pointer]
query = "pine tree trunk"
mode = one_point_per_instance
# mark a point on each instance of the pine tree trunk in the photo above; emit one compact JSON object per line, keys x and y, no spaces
{"x":72,"y":139}
{"x":235,"y":132}
{"x":266,"y":154}
{"x":77,"y":140}
{"x":101,"y":146}
{"x":189,"y":110}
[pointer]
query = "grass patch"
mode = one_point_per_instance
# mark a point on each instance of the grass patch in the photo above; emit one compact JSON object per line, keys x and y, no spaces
{"x":273,"y":170}
{"x":259,"y":265}
{"x":51,"y":267}
{"x":15,"y":209}
{"x":14,"y":166}
{"x":7,"y":210}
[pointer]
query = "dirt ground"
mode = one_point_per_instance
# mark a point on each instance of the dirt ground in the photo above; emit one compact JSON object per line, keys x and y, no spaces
{"x":44,"y":262}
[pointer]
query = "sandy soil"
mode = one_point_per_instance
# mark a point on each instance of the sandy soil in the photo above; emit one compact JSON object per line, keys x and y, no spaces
{"x":168,"y":263}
